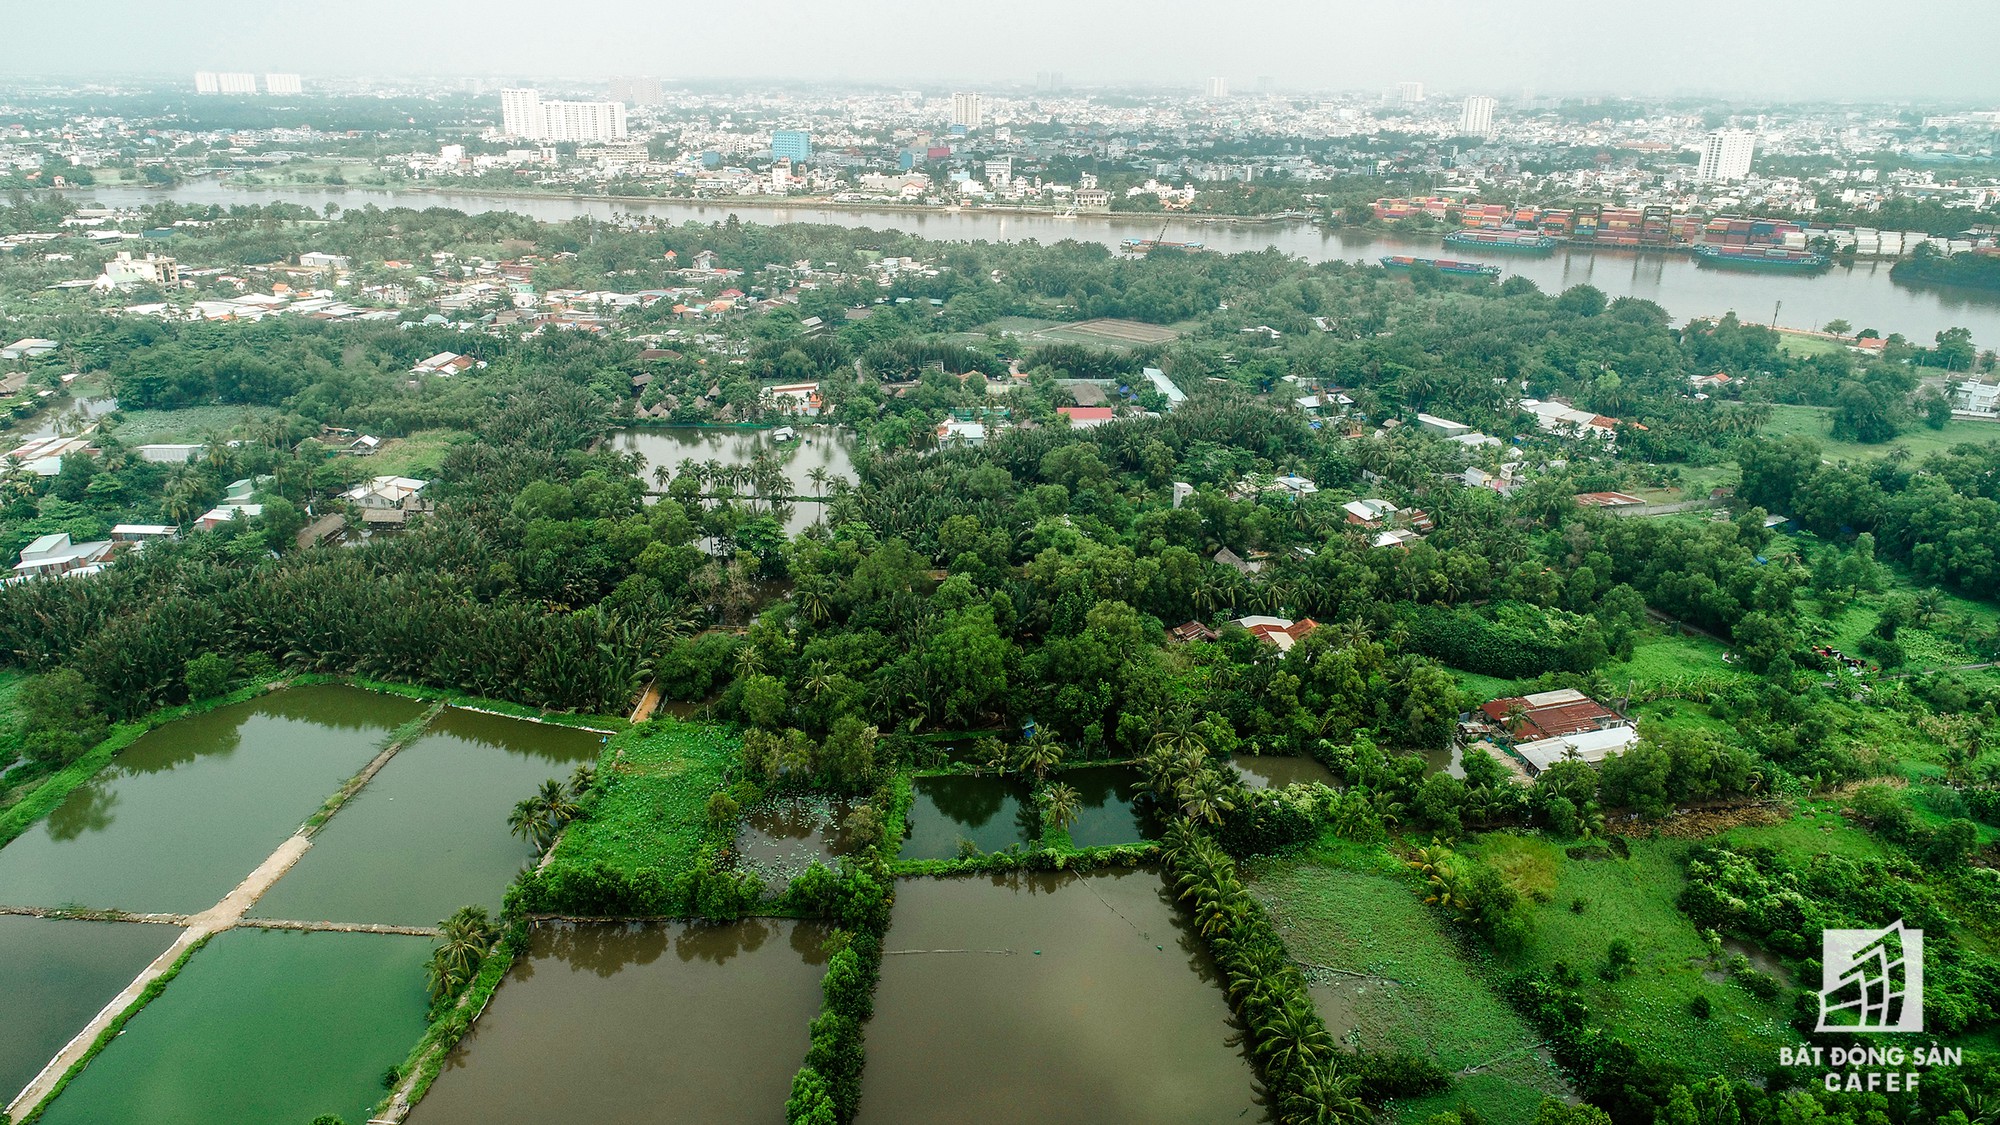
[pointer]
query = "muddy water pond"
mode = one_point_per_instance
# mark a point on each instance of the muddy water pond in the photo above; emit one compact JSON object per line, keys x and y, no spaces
{"x":994,"y":813}
{"x":429,"y":833}
{"x":1107,"y":812}
{"x":263,"y":1027}
{"x":190,"y":809}
{"x":55,"y":975}
{"x":628,"y":1023}
{"x":1044,"y":998}
{"x":1275,"y":771}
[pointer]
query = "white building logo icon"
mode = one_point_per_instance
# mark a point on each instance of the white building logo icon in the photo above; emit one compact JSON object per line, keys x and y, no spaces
{"x":1874,"y":980}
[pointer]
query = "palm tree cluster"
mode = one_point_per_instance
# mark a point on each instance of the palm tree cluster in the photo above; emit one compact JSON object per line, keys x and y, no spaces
{"x":1294,"y":1053}
{"x":539,"y":819}
{"x":1181,"y":775}
{"x":464,"y":940}
{"x":406,"y":609}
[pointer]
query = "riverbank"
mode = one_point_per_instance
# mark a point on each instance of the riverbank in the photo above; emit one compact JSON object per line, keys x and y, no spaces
{"x":748,"y":202}
{"x":1861,"y":293}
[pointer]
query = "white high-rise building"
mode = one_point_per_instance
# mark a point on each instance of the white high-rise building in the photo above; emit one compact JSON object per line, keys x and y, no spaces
{"x":1218,"y":87}
{"x":1410,"y":92}
{"x":968,"y":110}
{"x":205,"y":82}
{"x":283,"y":84}
{"x":237,"y":83}
{"x":583,"y":121}
{"x":523,"y":113}
{"x":1476,"y":118}
{"x":1725,"y":155}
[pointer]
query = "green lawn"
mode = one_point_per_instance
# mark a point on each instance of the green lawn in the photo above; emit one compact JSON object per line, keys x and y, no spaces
{"x":1809,"y":345}
{"x":653,"y":811}
{"x":1814,"y":422}
{"x":1635,"y":899}
{"x":1388,"y":976}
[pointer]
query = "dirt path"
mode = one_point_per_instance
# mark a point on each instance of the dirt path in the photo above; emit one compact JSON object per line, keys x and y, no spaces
{"x":649,"y":701}
{"x":214,"y":920}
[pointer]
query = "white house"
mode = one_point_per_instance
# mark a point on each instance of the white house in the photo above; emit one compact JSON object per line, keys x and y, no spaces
{"x":389,"y":500}
{"x":55,"y":554}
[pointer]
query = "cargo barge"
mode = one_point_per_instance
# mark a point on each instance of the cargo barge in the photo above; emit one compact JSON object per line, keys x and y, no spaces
{"x":1148,"y":245}
{"x":1760,"y":258}
{"x":1442,"y":265}
{"x":1516,"y":241}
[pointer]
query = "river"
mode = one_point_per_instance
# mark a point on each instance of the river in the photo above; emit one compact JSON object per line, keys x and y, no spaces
{"x":1861,"y":293}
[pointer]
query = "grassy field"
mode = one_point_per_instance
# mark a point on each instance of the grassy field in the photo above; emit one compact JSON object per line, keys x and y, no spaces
{"x":1809,"y":345}
{"x":1387,"y":976}
{"x":1658,"y":657}
{"x":418,"y":455}
{"x":653,"y":811}
{"x":1815,"y":422}
{"x":189,"y":424}
{"x":1635,"y":898}
{"x":1661,"y":658}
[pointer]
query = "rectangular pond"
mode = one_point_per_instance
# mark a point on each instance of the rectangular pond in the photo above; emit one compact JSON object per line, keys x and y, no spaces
{"x":829,"y":449}
{"x":1037,"y":998}
{"x":993,"y":813}
{"x":619,"y":1024}
{"x":1275,"y":771}
{"x":428,"y":834}
{"x":263,"y":1027}
{"x":190,"y":809}
{"x":56,"y":975}
{"x":1106,"y":811}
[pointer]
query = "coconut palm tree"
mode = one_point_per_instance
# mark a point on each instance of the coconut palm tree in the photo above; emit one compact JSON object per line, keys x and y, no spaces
{"x":1040,"y":754}
{"x":1060,"y":806}
{"x":463,"y":942}
{"x":1206,"y":796}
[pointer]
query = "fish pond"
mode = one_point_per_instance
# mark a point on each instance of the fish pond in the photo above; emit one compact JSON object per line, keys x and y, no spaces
{"x":1033,"y":998}
{"x":55,"y":975}
{"x":263,"y":1027}
{"x":629,"y":1023}
{"x":428,"y":834}
{"x":1275,"y":771}
{"x":191,"y":808}
{"x":947,"y":811}
{"x":1107,"y":812}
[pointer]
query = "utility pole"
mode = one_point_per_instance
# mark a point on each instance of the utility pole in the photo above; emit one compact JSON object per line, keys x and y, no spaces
{"x":1774,"y":313}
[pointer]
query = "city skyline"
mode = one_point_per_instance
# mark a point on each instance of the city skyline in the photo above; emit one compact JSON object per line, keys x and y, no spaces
{"x":1575,"y":47}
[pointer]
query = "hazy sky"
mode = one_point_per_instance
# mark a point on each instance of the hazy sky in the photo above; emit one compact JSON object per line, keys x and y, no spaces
{"x":1783,"y":48}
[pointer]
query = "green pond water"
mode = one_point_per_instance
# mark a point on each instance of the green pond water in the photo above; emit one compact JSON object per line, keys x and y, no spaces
{"x":1275,"y":771}
{"x":1045,"y":999}
{"x":190,"y":809}
{"x":54,"y":976}
{"x":428,"y":834}
{"x":263,"y":1027}
{"x":1106,"y":813}
{"x":629,"y":1023}
{"x":992,"y":812}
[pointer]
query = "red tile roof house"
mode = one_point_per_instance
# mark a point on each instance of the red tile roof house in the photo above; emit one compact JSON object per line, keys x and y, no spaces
{"x":1280,"y":633}
{"x":1084,"y":417}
